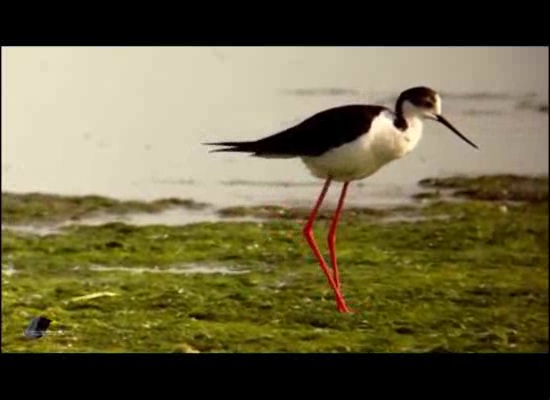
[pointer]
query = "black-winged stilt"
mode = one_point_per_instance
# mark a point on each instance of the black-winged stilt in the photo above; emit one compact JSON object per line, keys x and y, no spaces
{"x":345,"y":144}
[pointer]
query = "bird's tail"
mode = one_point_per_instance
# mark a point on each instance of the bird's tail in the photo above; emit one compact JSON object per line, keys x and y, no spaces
{"x":269,"y":147}
{"x":243,"y":147}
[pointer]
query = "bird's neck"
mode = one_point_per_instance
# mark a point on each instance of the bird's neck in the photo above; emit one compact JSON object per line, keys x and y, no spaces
{"x":404,"y":121}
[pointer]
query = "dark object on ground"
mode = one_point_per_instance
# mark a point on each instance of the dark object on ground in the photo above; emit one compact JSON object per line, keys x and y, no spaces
{"x":37,"y":328}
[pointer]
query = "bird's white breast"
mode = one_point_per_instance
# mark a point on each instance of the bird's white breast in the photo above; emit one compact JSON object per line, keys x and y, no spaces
{"x":369,"y":152}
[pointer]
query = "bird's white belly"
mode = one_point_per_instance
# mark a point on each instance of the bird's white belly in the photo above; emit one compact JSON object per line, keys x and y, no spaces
{"x":367,"y":154}
{"x":348,"y":162}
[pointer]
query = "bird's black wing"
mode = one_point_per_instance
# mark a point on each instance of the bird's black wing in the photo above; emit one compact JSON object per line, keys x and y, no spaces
{"x":314,"y":136}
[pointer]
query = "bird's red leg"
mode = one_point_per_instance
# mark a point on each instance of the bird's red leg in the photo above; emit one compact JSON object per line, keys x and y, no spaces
{"x":308,"y":233}
{"x":331,"y":238}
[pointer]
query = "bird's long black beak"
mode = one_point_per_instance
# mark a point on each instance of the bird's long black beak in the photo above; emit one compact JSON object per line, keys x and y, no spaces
{"x":439,"y":118}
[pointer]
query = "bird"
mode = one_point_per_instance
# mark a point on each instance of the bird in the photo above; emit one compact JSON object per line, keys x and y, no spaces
{"x":348,"y":143}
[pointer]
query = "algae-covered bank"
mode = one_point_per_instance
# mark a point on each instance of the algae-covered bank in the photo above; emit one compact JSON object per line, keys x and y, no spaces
{"x":463,"y":270}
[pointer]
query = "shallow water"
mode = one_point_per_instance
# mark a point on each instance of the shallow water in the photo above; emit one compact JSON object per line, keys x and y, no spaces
{"x":127,"y":130}
{"x":179,"y":269}
{"x":514,"y":143}
{"x":169,"y":217}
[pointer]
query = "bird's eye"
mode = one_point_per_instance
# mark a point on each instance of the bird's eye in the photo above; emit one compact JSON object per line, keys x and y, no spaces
{"x":428,"y":104}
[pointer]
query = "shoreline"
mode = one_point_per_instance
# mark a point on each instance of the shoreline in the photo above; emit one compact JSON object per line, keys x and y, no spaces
{"x":43,"y":213}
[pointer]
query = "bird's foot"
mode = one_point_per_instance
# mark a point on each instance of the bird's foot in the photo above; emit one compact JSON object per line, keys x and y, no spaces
{"x":343,"y":308}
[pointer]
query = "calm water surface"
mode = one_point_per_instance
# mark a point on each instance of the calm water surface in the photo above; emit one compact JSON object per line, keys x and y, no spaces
{"x":119,"y":126}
